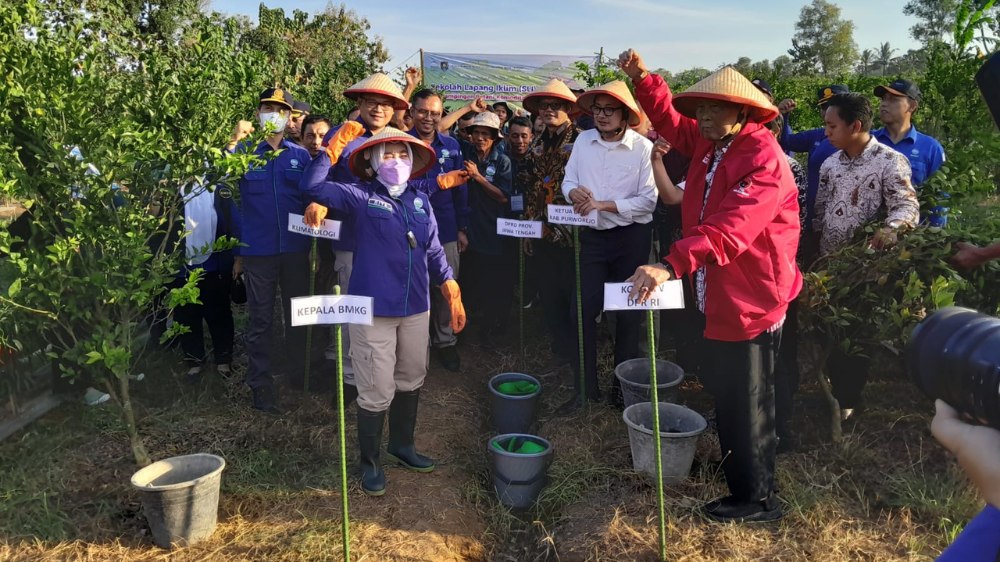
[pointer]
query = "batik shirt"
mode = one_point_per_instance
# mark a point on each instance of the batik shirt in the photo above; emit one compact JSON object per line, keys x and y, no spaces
{"x":801,"y":182}
{"x":542,"y":177}
{"x":854,"y":191}
{"x":699,"y":274}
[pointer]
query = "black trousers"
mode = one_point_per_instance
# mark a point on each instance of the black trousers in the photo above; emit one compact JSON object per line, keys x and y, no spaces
{"x":786,"y":373}
{"x":608,"y":256}
{"x":488,"y":289}
{"x":556,"y":286}
{"x":740,"y":375}
{"x":214,"y":310}
{"x":848,"y":376}
{"x":263,"y":276}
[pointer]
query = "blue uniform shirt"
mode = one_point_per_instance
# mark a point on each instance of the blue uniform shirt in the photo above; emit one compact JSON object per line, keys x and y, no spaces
{"x":397,"y":276}
{"x":924,"y":152}
{"x":268,"y":192}
{"x":814,"y":142}
{"x":483,"y":209}
{"x":450,"y":207}
{"x":978,"y":542}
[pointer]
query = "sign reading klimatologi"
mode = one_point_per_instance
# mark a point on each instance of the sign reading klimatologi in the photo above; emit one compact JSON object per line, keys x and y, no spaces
{"x":331,"y":309}
{"x":519,"y":229}
{"x":564,"y":214}
{"x":329,"y":229}
{"x":665,"y":296}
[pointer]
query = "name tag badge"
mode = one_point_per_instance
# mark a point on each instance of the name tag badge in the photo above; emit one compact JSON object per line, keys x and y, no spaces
{"x":517,"y":203}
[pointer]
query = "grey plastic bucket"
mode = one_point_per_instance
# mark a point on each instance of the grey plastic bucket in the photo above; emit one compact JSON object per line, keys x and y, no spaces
{"x":519,"y":478}
{"x":513,"y":414}
{"x":180,"y":497}
{"x":634,"y":376}
{"x":679,"y":431}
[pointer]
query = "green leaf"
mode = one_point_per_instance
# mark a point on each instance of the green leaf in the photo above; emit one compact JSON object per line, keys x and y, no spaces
{"x":94,"y":357}
{"x":14,"y":288}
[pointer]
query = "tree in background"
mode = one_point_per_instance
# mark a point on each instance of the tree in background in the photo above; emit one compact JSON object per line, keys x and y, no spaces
{"x":865,"y":60}
{"x":317,"y":57}
{"x":884,"y":58}
{"x":823,"y":41}
{"x":149,"y":109}
{"x":937,"y":17}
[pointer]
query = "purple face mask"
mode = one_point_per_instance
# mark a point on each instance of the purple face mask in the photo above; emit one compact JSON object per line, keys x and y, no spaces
{"x":394,"y":172}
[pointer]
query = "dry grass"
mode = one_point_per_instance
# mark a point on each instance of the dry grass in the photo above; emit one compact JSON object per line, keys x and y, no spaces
{"x":887,"y":493}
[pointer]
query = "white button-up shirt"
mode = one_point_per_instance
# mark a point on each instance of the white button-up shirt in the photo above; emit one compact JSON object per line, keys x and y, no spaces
{"x":618,"y":171}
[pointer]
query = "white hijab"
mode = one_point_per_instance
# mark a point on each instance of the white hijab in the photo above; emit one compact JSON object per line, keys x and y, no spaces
{"x":378,"y":151}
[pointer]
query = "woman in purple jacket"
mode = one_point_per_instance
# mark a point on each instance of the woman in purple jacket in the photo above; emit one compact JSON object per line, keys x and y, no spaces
{"x":397,"y":259}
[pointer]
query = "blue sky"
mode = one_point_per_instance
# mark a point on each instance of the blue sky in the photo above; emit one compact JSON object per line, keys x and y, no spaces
{"x":675,"y":34}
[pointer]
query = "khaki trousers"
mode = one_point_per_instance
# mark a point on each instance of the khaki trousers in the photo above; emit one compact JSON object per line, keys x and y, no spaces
{"x":389,"y":355}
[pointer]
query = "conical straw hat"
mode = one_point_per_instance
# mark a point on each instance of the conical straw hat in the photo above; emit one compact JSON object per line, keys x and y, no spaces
{"x":616,"y":89}
{"x":423,"y":154}
{"x":378,"y":83}
{"x":727,"y":84}
{"x":554,"y":88}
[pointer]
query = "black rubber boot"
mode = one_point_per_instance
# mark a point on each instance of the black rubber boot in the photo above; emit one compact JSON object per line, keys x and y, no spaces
{"x":370,"y":443}
{"x":350,"y":394}
{"x":402,"y":420}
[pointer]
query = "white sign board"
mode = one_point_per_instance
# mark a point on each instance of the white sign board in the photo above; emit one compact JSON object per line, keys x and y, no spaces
{"x":519,"y":229}
{"x":329,"y":229}
{"x":331,"y":309}
{"x":666,"y":295}
{"x":564,"y":214}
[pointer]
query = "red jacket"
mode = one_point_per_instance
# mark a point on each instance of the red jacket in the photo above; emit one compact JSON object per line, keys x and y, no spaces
{"x":750,"y":231}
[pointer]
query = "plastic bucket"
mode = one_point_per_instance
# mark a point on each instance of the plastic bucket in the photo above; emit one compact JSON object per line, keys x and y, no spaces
{"x":679,"y":431}
{"x":513,"y":413}
{"x":518,"y":478}
{"x":180,"y":497}
{"x":634,"y":376}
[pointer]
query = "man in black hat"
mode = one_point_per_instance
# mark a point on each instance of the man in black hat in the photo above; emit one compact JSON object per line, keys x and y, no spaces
{"x":764,"y":87}
{"x":899,"y":100}
{"x":812,"y":141}
{"x":271,"y":255}
{"x":300,"y":110}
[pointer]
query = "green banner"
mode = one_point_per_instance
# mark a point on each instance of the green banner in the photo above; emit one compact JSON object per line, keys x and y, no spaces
{"x":463,"y":77}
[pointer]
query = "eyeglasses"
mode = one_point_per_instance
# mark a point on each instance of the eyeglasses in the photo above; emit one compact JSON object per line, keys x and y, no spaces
{"x":553,"y":105}
{"x":606,"y":111}
{"x":373,"y":103}
{"x":426,"y":112}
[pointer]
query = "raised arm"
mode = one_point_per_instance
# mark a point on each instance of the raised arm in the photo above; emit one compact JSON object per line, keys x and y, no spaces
{"x":448,"y":121}
{"x":668,"y":193}
{"x":656,"y":100}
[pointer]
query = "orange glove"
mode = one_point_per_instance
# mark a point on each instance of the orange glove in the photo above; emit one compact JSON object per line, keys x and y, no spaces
{"x":314,"y":215}
{"x":452,"y":179}
{"x":453,"y":296}
{"x":347,"y":132}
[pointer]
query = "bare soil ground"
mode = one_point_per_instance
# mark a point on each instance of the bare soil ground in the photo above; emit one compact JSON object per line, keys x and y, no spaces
{"x":887,"y":493}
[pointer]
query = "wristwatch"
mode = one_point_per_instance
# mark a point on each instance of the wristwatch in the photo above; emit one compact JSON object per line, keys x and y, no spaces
{"x":670,"y":269}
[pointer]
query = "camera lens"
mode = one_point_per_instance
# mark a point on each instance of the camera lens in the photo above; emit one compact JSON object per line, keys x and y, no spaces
{"x":954,"y":355}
